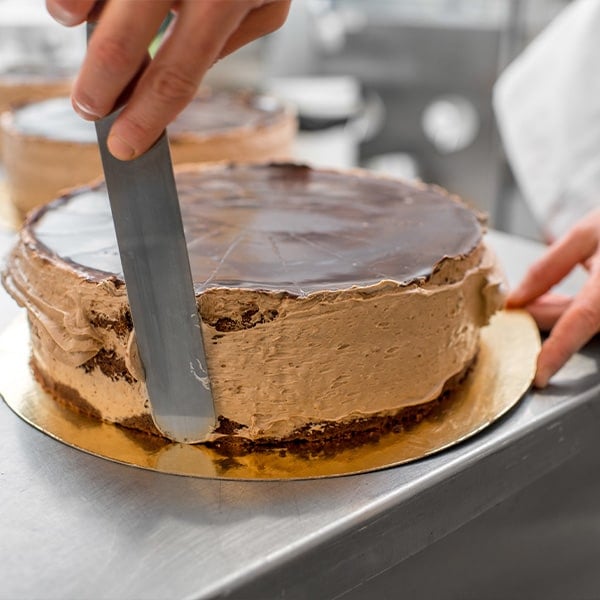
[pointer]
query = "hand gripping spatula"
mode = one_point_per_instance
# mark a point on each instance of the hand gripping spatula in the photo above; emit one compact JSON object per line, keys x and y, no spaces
{"x":156,"y":267}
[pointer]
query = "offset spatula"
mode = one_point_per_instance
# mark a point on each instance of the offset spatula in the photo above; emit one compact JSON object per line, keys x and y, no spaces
{"x":155,"y":261}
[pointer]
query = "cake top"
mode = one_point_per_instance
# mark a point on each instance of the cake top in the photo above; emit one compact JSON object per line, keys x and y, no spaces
{"x":208,"y":113}
{"x":34,"y":72}
{"x":54,"y":118}
{"x":218,"y":111}
{"x":279,"y":227}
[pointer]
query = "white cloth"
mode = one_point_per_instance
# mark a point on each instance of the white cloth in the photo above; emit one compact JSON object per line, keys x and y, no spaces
{"x":547,"y":104}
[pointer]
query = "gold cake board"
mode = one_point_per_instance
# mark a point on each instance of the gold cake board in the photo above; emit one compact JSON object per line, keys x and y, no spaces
{"x":502,"y":375}
{"x":9,"y":217}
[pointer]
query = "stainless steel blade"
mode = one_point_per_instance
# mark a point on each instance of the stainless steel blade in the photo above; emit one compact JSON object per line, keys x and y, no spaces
{"x":156,"y":267}
{"x":155,"y":262}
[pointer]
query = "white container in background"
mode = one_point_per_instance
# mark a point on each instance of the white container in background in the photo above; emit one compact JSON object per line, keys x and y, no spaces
{"x":334,"y":118}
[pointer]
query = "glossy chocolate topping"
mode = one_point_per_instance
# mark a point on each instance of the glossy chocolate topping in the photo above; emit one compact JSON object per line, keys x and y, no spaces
{"x":284,"y":227}
{"x":212,"y":112}
{"x":54,"y":119}
{"x":209,"y":113}
{"x":22,"y":73}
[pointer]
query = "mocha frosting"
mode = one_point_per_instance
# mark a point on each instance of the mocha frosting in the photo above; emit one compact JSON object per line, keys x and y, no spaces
{"x":324,"y":296}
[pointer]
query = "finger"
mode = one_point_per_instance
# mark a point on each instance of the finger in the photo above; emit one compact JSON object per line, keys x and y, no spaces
{"x":115,"y":53}
{"x":547,"y":309}
{"x":171,"y":80}
{"x":69,"y":12}
{"x":558,"y":261}
{"x":579,"y":323}
{"x":259,"y":22}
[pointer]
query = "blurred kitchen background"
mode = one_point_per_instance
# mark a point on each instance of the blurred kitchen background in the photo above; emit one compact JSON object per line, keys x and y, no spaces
{"x":400,"y":86}
{"x":415,"y":100}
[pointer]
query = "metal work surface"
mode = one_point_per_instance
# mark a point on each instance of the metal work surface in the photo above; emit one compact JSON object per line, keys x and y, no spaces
{"x":77,"y":526}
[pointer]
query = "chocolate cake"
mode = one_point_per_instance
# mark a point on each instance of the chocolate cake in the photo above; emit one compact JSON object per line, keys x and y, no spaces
{"x":28,"y":83}
{"x":31,"y":83}
{"x":333,"y":304}
{"x":48,"y":148}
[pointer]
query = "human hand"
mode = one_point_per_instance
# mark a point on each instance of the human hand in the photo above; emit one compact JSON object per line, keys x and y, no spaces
{"x":572,"y":322}
{"x":202,"y":32}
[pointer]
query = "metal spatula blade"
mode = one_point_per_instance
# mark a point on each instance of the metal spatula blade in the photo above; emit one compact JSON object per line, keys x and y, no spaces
{"x":156,"y":267}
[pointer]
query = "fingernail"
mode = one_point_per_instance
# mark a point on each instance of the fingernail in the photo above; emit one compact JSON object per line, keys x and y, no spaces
{"x":63,"y":16}
{"x":86,"y":111}
{"x":119,"y":148}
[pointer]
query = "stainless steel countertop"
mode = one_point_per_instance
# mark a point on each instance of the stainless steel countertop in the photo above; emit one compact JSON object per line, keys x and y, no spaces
{"x":77,"y":526}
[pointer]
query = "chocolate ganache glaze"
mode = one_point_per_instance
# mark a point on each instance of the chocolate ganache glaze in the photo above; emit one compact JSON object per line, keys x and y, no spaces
{"x":208,"y":113}
{"x":214,"y":111}
{"x":331,"y":302}
{"x":32,"y":71}
{"x":282,"y":227}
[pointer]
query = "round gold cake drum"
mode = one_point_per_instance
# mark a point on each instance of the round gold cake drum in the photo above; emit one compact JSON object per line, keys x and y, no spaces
{"x":9,"y":217}
{"x":503,"y":373}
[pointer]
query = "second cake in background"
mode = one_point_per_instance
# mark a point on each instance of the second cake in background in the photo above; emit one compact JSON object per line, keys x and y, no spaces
{"x":48,"y":148}
{"x":31,"y":83}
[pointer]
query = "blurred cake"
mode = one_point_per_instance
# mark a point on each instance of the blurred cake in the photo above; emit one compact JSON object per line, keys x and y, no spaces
{"x":31,"y":83}
{"x":333,"y":304}
{"x":48,"y":148}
